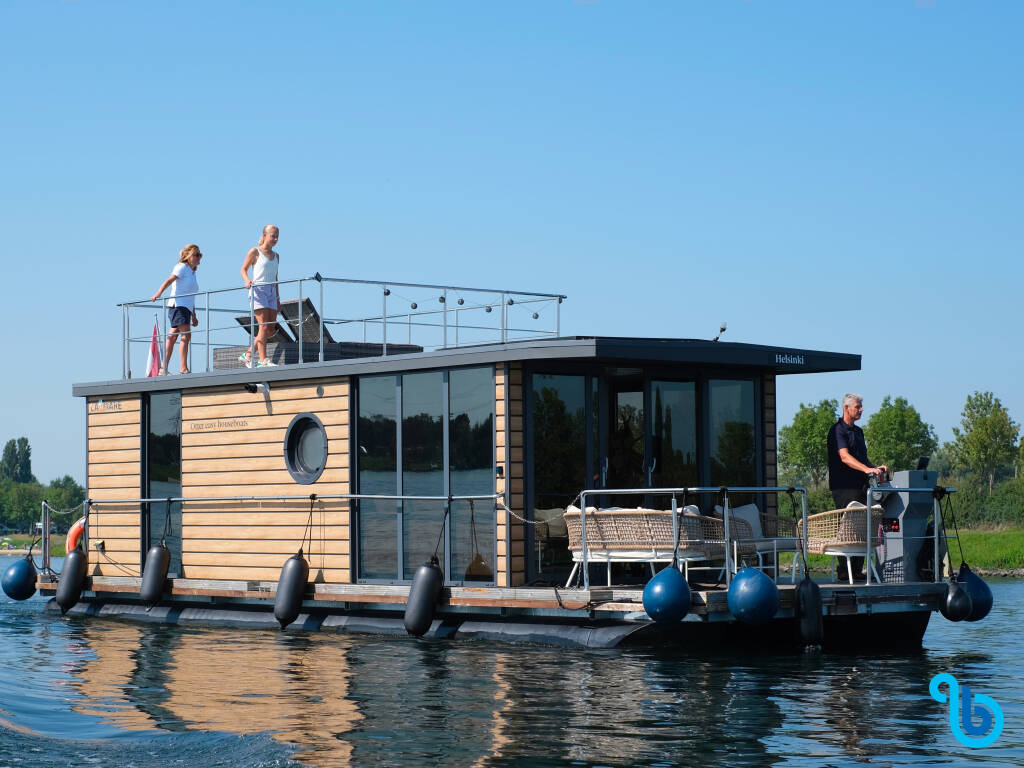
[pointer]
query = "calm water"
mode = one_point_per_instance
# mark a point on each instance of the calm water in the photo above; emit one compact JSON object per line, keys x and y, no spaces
{"x":89,"y":692}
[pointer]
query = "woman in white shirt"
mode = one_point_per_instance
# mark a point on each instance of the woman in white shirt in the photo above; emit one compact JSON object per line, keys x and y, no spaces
{"x":263,"y":291}
{"x":180,"y":307}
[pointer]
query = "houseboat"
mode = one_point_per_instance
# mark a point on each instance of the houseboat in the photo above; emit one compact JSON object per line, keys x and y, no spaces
{"x":551,"y":476}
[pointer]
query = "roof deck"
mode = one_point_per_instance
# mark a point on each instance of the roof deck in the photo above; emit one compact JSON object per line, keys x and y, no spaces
{"x":331,"y":326}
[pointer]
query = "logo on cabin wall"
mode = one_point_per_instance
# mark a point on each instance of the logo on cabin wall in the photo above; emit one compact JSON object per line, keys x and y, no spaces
{"x":104,"y":405}
{"x":790,"y":359}
{"x":206,"y":426}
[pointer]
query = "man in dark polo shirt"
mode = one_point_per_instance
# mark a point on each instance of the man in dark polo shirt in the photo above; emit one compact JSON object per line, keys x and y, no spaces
{"x":848,"y":465}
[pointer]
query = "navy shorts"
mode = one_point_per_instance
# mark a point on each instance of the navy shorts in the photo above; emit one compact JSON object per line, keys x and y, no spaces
{"x":180,"y":316}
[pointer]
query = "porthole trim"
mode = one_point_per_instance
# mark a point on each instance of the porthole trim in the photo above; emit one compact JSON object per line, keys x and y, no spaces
{"x":292,"y":435}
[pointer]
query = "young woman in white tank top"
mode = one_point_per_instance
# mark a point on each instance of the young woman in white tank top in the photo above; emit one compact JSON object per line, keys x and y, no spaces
{"x":263,"y":291}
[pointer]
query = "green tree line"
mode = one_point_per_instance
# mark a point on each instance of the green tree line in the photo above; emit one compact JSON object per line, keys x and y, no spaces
{"x":22,"y":495}
{"x":984,"y":460}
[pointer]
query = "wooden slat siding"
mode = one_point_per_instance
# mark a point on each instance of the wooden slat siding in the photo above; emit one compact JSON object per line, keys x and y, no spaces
{"x":501,"y":576}
{"x":272,"y":560}
{"x":257,"y":450}
{"x":248,"y":573}
{"x":250,"y":540}
{"x":274,"y":461}
{"x":112,"y":443}
{"x":114,"y":468}
{"x":304,"y":390}
{"x":98,"y":456}
{"x":515,"y":561}
{"x":115,"y":430}
{"x":254,"y":436}
{"x":290,"y":489}
{"x":242,"y":480}
{"x":770,"y":440}
{"x":262,"y":514}
{"x":113,"y":495}
{"x":261,"y":407}
{"x":255,"y":425}
{"x":97,"y":484}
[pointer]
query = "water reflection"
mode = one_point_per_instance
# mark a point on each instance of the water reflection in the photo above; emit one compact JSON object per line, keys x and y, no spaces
{"x":295,"y":687}
{"x":363,"y":701}
{"x":340,"y":700}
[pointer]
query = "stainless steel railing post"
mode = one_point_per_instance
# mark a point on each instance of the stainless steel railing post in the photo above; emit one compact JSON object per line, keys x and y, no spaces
{"x":444,"y":319}
{"x":384,"y":320}
{"x":583,"y":541}
{"x":209,"y":346}
{"x":867,"y":541}
{"x":323,"y":312}
{"x":725,"y":525}
{"x":44,"y":520}
{"x":302,"y":356}
{"x":124,"y":343}
{"x":253,"y":330}
{"x":804,"y":538}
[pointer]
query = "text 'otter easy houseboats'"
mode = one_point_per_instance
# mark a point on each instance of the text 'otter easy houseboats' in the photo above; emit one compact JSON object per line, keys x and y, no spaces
{"x":551,"y":476}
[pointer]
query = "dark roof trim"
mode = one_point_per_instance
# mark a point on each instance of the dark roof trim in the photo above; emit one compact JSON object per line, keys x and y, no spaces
{"x":781,"y":360}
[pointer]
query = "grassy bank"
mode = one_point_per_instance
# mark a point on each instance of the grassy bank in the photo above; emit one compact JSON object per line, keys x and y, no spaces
{"x":1001,"y":548}
{"x":986,"y":549}
{"x":21,"y":541}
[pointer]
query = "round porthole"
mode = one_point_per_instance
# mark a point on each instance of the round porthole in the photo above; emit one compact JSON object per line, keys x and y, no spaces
{"x":305,"y":448}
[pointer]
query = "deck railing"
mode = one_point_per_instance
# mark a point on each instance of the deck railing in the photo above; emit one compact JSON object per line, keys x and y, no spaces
{"x":88,"y":503}
{"x":675,"y":494}
{"x":873,"y":496}
{"x":366,"y":311}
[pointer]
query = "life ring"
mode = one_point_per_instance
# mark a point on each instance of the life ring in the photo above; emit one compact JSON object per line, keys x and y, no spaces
{"x":74,"y":534}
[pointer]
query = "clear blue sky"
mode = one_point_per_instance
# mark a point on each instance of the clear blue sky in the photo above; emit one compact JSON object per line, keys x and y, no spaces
{"x":833,"y":175}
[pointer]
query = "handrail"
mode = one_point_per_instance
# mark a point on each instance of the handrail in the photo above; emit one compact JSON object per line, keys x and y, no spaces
{"x":434,"y":322}
{"x":307,"y":497}
{"x":725,"y":490}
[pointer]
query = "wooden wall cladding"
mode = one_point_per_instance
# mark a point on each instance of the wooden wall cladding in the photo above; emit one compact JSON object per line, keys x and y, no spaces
{"x":233,"y":445}
{"x":770,"y":432}
{"x":113,"y":456}
{"x":511,"y":564}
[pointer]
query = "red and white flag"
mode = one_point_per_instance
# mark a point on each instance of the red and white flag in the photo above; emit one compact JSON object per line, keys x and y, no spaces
{"x":153,"y":358}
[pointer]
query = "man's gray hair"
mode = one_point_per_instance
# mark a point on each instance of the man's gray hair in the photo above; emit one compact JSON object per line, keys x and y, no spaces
{"x":850,"y":399}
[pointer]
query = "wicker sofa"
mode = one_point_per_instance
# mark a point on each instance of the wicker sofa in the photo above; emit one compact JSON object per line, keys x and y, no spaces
{"x":640,"y":535}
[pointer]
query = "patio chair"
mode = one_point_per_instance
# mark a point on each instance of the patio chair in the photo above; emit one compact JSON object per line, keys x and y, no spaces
{"x":842,"y":533}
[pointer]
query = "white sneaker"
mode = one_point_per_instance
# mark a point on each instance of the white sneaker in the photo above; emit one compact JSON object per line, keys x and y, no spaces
{"x":266,"y":364}
{"x":245,"y":360}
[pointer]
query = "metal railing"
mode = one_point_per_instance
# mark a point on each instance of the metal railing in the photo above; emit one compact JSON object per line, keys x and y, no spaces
{"x":375,"y":312}
{"x":88,"y":503}
{"x":674,"y":493}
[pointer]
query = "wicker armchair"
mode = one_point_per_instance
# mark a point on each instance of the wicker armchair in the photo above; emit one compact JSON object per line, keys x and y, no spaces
{"x":842,"y":533}
{"x":645,"y":535}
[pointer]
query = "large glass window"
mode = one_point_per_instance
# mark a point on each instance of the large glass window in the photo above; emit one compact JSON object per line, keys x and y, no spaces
{"x":402,"y":451}
{"x":377,"y":435}
{"x":559,"y":430}
{"x":674,"y":434}
{"x":163,"y":472}
{"x":422,"y":467}
{"x":471,"y":462}
{"x":732,"y":442}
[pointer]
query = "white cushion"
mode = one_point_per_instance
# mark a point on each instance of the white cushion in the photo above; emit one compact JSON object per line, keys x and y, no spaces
{"x":751,"y":514}
{"x":691,"y":509}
